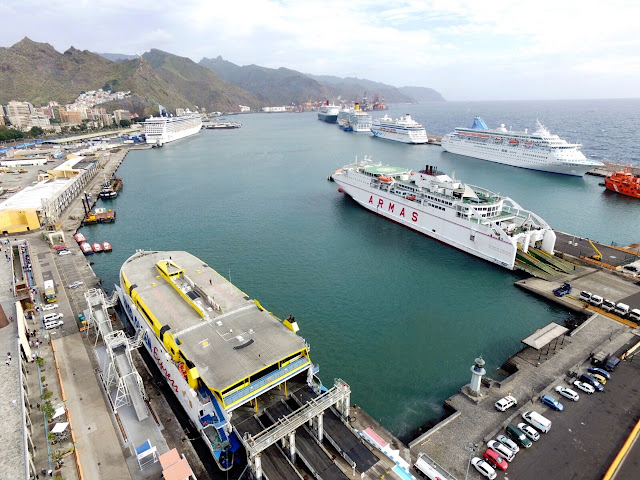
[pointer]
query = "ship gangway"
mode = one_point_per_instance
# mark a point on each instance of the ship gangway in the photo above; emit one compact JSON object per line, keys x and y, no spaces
{"x":118,"y":369}
{"x":343,"y":439}
{"x":286,"y":424}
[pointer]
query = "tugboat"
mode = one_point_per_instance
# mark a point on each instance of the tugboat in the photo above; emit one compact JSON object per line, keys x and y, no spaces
{"x":623,"y":182}
{"x":110,"y":189}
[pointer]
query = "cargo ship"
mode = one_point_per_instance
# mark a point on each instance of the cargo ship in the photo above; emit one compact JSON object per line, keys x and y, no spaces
{"x":623,"y":182}
{"x":539,"y":150}
{"x":470,"y":218}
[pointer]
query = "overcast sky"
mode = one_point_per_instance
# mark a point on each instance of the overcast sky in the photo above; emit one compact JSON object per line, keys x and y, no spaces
{"x":464,"y":49}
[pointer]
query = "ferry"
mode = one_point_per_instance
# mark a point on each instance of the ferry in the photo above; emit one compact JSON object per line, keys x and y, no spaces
{"x":404,"y":129}
{"x":623,"y":182}
{"x":539,"y":150}
{"x":165,"y":129}
{"x":328,"y":113}
{"x":470,"y":218}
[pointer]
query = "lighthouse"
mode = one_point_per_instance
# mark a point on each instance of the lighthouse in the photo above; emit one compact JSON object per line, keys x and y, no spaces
{"x":477,"y":371}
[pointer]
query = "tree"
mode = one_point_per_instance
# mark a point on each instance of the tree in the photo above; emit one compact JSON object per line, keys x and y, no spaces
{"x":36,"y":132}
{"x":125,"y":123}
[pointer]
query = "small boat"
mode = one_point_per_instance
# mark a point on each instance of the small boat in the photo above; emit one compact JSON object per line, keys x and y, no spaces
{"x":96,"y":247}
{"x":385,"y":179}
{"x":78,"y":237}
{"x":106,"y":247}
{"x":86,"y":248}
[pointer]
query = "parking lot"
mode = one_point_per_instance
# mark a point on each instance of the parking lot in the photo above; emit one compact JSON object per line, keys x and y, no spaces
{"x":585,"y":437}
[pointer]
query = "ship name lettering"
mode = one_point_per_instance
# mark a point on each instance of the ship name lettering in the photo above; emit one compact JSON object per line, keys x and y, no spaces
{"x":402,"y":212}
{"x":380,"y":202}
{"x":164,"y":370}
{"x":414,"y":216}
{"x":391,"y":206}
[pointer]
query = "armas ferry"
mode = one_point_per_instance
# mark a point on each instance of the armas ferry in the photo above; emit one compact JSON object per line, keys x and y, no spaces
{"x":472,"y":219}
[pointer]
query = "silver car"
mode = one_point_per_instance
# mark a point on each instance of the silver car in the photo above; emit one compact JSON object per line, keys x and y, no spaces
{"x":531,"y":433}
{"x":507,"y":442}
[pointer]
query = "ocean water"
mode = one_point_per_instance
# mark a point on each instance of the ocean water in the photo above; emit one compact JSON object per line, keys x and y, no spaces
{"x":398,"y":316}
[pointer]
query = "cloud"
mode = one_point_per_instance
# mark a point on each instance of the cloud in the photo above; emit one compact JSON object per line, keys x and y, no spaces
{"x":444,"y":44}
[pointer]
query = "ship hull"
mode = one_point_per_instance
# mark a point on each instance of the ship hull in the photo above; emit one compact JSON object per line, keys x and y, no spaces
{"x":516,"y":156}
{"x":328,"y":117}
{"x":402,"y":136}
{"x":475,"y":241}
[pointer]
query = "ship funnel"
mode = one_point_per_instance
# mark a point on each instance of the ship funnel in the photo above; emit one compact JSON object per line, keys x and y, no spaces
{"x":357,"y":106}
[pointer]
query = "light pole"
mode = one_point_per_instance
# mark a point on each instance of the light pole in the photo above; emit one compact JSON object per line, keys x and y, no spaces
{"x":472,"y":448}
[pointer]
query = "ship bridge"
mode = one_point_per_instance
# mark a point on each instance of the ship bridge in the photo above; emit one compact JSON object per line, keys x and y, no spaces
{"x":225,"y":345}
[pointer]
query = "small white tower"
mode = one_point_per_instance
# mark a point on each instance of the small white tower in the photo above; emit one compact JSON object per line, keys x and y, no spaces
{"x":477,"y":371}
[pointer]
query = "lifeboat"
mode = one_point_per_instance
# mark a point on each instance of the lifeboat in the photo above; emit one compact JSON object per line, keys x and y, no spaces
{"x":513,"y":141}
{"x":528,"y":144}
{"x":106,"y":247}
{"x":385,"y":179}
{"x":411,"y":197}
{"x":86,"y":248}
{"x":497,"y":139}
{"x":623,"y":182}
{"x":96,"y":247}
{"x":78,"y":237}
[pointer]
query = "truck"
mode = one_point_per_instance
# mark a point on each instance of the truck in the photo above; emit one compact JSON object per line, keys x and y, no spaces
{"x":50,"y":291}
{"x":604,"y":360}
{"x":424,"y":467}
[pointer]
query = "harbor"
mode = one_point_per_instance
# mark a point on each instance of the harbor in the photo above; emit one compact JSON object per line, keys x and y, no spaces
{"x":284,"y":305}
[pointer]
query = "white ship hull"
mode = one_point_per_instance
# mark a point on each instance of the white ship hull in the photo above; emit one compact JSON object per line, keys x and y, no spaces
{"x":445,"y":230}
{"x":400,"y":135}
{"x":161,"y":130}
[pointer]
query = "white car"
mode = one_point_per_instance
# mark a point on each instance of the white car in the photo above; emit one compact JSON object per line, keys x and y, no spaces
{"x":505,"y":403}
{"x":585,"y":387}
{"x":50,"y":306}
{"x":484,"y":468}
{"x":568,"y":393}
{"x":501,"y":450}
{"x":64,"y":252}
{"x":49,"y":317}
{"x":529,"y":431}
{"x":53,"y":324}
{"x":75,"y":284}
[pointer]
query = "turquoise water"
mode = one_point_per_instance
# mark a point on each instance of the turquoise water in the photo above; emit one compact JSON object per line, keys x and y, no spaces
{"x":398,"y":316}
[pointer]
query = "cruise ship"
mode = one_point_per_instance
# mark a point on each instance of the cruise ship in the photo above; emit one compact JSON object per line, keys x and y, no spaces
{"x":404,"y":129}
{"x":230,"y":363}
{"x":328,"y":113}
{"x":355,"y":120}
{"x":472,"y":219}
{"x":165,"y":129}
{"x":539,"y":150}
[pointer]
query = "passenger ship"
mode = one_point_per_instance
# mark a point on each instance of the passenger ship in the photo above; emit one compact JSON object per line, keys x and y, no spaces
{"x":164,"y":129}
{"x":539,"y":150}
{"x":472,"y":219}
{"x":328,"y":113}
{"x":355,"y":120}
{"x":404,"y":129}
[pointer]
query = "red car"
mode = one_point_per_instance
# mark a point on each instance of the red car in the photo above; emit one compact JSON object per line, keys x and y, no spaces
{"x":59,"y":247}
{"x":495,"y":459}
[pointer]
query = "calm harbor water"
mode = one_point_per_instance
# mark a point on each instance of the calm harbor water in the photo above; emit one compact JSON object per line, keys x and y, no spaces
{"x":397,"y":315}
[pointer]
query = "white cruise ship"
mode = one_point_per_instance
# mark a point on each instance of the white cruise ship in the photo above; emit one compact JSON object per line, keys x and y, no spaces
{"x":355,"y":120}
{"x":539,"y":150}
{"x":469,"y":218}
{"x":404,"y":129}
{"x":328,"y":113}
{"x":165,"y":129}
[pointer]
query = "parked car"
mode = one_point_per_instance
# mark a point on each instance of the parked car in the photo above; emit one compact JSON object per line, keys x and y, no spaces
{"x":585,"y":296}
{"x":622,"y":309}
{"x":568,"y":393}
{"x":536,"y":420}
{"x":507,"y":442}
{"x":518,"y":436}
{"x":562,"y":290}
{"x":585,"y":387}
{"x":608,"y":305}
{"x":596,"y":300}
{"x":599,"y":378}
{"x":600,"y":371}
{"x":586,"y":378}
{"x":53,"y":324}
{"x":552,"y":402}
{"x":484,"y":468}
{"x":64,"y":252}
{"x":60,"y":247}
{"x":495,"y":459}
{"x":631,"y":268}
{"x":52,"y":316}
{"x":504,"y":451}
{"x":529,"y":431}
{"x":75,"y":284}
{"x":505,"y":403}
{"x":49,"y":306}
{"x":634,"y":315}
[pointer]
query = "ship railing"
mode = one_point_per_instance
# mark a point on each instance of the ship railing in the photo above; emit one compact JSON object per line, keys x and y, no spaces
{"x":284,"y":426}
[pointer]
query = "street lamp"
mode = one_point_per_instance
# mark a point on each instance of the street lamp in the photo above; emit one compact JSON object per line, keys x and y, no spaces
{"x":472,"y":448}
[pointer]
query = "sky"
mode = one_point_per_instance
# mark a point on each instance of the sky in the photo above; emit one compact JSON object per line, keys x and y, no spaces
{"x":464,"y":49}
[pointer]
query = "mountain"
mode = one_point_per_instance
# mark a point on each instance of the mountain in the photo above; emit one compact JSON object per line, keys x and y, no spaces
{"x":280,"y":86}
{"x":199,"y":84}
{"x":116,"y":57}
{"x":422,"y":94}
{"x":352,"y":88}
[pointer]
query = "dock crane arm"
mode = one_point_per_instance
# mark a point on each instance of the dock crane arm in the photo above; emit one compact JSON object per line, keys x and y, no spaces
{"x":598,"y":255}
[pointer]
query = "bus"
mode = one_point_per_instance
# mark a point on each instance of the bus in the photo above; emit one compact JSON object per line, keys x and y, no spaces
{"x":50,"y":291}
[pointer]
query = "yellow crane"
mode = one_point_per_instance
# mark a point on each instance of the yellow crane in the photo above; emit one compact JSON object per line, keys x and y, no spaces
{"x":598,"y":255}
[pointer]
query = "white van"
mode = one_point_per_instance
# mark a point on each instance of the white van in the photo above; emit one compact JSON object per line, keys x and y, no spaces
{"x":634,"y":315}
{"x":596,"y":300}
{"x":424,"y":467}
{"x":621,"y":309}
{"x":538,"y":421}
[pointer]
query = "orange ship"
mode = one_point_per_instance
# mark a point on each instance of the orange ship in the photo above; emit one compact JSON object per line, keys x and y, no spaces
{"x":623,"y":182}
